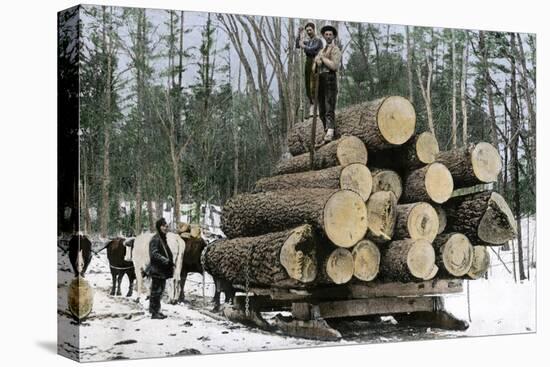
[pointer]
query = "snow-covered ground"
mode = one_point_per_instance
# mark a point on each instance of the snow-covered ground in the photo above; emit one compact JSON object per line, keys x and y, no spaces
{"x":120,"y":328}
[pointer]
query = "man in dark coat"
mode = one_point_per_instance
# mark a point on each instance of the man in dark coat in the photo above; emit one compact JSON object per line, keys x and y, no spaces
{"x":311,"y":46}
{"x":160,"y":268}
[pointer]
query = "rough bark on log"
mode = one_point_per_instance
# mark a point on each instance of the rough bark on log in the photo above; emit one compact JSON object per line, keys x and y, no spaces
{"x":442,"y":217}
{"x":480,"y":263}
{"x":386,"y":180}
{"x":454,"y":254}
{"x":366,"y":260}
{"x":485,"y":218}
{"x":408,"y":260}
{"x":416,"y":221}
{"x":472,"y":165}
{"x":355,"y":177}
{"x":381,"y":211}
{"x":341,"y":214}
{"x":381,"y":124}
{"x":431,"y":183}
{"x":341,"y":152}
{"x":283,"y":259}
{"x":420,"y":150}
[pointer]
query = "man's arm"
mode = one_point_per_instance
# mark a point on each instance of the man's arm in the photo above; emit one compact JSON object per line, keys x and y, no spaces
{"x":314,"y":48}
{"x":157,"y":254}
{"x":333,"y":63}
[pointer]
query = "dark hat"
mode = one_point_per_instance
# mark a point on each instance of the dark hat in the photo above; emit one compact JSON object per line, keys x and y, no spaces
{"x":159,"y":223}
{"x":328,"y":27}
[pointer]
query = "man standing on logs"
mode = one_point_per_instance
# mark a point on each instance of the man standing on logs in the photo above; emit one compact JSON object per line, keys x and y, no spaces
{"x":311,"y":47}
{"x":161,"y":267}
{"x":327,"y":63}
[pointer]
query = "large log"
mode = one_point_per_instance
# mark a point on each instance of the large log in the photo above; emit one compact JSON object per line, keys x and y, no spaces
{"x":420,"y":150}
{"x":341,"y":214}
{"x":337,"y":267}
{"x":430,"y":183}
{"x":480,"y":263}
{"x":472,"y":165}
{"x":381,"y":211}
{"x":283,"y":259}
{"x":341,"y":152}
{"x":355,"y":177}
{"x":485,"y":218}
{"x":386,"y":180}
{"x":454,"y":254}
{"x":381,"y":124}
{"x":416,"y":221}
{"x":366,"y":260}
{"x":408,"y":260}
{"x":442,"y":216}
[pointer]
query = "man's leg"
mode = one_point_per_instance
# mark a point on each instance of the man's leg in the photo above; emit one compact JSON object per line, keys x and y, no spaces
{"x":330,"y":105}
{"x":157,"y":288}
{"x":321,"y":98}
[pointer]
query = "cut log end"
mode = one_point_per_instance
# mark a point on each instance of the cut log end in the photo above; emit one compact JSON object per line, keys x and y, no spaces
{"x":457,"y":254}
{"x":339,"y":266}
{"x":357,"y":177}
{"x":298,"y":255}
{"x":381,"y":213}
{"x":396,"y":120}
{"x":421,"y":260}
{"x":498,"y":224}
{"x":351,"y":150}
{"x":486,"y":162}
{"x":439,"y":183}
{"x":423,"y":222}
{"x":427,"y":148}
{"x":480,"y":262}
{"x":387,"y":180}
{"x":345,"y":218}
{"x":366,"y":260}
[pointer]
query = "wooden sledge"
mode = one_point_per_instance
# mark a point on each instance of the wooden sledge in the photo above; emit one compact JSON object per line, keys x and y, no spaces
{"x":415,"y":304}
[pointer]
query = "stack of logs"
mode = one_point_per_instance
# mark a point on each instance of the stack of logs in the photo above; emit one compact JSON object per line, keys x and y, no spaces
{"x":377,"y":206}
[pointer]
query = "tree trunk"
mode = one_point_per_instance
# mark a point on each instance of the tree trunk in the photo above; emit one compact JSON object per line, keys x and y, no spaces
{"x":514,"y":158}
{"x":472,"y":165}
{"x":416,"y":221}
{"x":341,"y":152}
{"x":286,"y":259}
{"x":484,"y":218}
{"x":430,"y":183}
{"x":453,"y":253}
{"x":355,"y":177}
{"x":464,"y":90}
{"x":150,"y":214}
{"x":366,"y":260}
{"x":408,"y":260}
{"x":342,"y":215}
{"x":380,"y":124}
{"x":420,"y":150}
{"x":480,"y":263}
{"x":381,"y":214}
{"x":453,"y":88}
{"x":386,"y":180}
{"x":409,"y":65}
{"x":137,"y":221}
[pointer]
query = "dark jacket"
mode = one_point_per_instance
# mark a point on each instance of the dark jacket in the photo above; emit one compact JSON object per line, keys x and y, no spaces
{"x":162,"y":260}
{"x":312,"y":46}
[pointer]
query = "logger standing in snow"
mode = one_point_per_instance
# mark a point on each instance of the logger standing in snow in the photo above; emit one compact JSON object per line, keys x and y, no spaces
{"x":311,"y":46}
{"x":328,"y":63}
{"x":161,"y":267}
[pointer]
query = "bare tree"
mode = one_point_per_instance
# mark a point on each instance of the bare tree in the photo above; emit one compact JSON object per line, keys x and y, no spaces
{"x":464,"y":89}
{"x":453,"y":88}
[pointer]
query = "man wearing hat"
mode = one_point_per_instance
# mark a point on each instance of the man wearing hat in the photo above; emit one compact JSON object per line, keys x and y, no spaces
{"x":328,"y":63}
{"x":311,"y":47}
{"x":161,"y":267}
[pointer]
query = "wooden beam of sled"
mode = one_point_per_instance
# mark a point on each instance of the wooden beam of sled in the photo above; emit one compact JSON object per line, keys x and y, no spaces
{"x":361,"y":307}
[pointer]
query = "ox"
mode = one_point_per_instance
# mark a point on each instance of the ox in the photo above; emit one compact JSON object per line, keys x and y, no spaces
{"x":141,"y":259}
{"x":80,"y":254}
{"x":116,"y":254}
